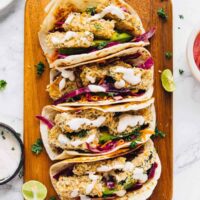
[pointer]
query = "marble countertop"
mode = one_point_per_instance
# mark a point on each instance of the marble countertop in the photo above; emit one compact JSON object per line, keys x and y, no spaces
{"x":186,"y":97}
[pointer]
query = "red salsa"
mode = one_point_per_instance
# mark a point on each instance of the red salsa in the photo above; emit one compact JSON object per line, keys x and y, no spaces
{"x":196,"y":50}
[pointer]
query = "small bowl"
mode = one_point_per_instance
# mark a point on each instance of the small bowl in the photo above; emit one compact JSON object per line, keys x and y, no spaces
{"x":190,"y":54}
{"x":13,"y":132}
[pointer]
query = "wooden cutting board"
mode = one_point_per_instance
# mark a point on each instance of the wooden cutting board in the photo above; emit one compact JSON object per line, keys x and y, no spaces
{"x":35,"y":96}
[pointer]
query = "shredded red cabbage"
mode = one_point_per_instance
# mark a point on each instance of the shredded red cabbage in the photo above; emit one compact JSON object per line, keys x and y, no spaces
{"x":108,"y":147}
{"x":133,"y":56}
{"x":85,"y":90}
{"x":136,"y":186}
{"x":62,"y":56}
{"x":146,"y":36}
{"x":45,"y":121}
{"x":110,"y":184}
{"x":111,"y":44}
{"x":147,"y":64}
{"x":152,"y":171}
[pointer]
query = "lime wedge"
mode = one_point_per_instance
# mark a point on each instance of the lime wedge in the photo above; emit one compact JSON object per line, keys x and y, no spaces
{"x":168,"y":80}
{"x":34,"y":190}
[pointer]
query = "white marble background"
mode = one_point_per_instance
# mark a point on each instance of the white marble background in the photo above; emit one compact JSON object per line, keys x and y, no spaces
{"x":186,"y":97}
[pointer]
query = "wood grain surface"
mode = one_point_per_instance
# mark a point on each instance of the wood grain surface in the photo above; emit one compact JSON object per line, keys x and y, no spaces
{"x":35,"y":96}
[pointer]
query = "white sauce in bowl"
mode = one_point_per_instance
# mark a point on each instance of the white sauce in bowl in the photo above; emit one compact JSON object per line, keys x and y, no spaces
{"x":10,"y":154}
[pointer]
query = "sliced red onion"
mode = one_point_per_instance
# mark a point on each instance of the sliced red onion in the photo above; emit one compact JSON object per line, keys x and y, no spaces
{"x":146,"y":36}
{"x":62,"y":56}
{"x":136,"y":186}
{"x":108,"y":147}
{"x":85,"y":90}
{"x":111,"y":44}
{"x":110,"y":184}
{"x":45,"y":121}
{"x":72,"y":94}
{"x":124,"y":9}
{"x":59,"y":23}
{"x":133,"y":56}
{"x":152,"y":171}
{"x":140,"y":93}
{"x":147,"y":64}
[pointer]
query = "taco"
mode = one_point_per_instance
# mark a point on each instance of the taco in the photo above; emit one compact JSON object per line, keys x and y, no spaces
{"x":122,"y":77}
{"x":75,"y":31}
{"x":91,"y":131}
{"x":130,"y":176}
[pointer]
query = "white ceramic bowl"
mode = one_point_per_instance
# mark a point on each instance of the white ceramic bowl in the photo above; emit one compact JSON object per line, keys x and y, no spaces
{"x":4,"y":6}
{"x":190,"y":55}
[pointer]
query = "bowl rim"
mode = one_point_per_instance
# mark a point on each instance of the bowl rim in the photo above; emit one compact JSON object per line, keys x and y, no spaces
{"x":12,"y":131}
{"x":190,"y":54}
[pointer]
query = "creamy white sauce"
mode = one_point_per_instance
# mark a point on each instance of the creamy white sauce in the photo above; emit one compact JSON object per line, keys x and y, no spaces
{"x":140,"y":175}
{"x":114,"y":10}
{"x":74,"y":193}
{"x":68,"y":74}
{"x":120,"y":193}
{"x":119,"y":84}
{"x":129,"y":75}
{"x":66,"y":141}
{"x":127,"y":120}
{"x":96,"y":88}
{"x":83,"y":197}
{"x":70,"y":18}
{"x":94,"y":179}
{"x":69,"y":35}
{"x":76,"y":123}
{"x":10,"y":154}
{"x":90,"y":78}
{"x":55,"y":40}
{"x":129,"y":166}
{"x":62,"y":84}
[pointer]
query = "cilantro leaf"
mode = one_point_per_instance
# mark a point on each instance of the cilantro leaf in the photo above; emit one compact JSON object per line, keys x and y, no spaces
{"x":181,"y":71}
{"x":101,"y":45}
{"x":37,"y":147}
{"x":91,"y":10}
{"x":158,"y":133}
{"x":52,"y":198}
{"x":40,"y":68}
{"x":168,"y":55}
{"x":3,"y":84}
{"x":162,"y":14}
{"x":181,"y":16}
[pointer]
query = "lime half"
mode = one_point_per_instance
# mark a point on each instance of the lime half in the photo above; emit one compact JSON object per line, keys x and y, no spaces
{"x":168,"y":80}
{"x":34,"y":190}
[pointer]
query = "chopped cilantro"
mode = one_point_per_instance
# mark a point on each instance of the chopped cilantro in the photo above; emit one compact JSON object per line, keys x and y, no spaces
{"x":2,"y":135}
{"x":79,"y":134}
{"x":181,"y":16}
{"x":181,"y":71}
{"x":37,"y":147}
{"x":168,"y":55}
{"x":158,"y":133}
{"x":133,"y":144}
{"x":91,"y":10}
{"x":98,"y":26}
{"x":102,"y":44}
{"x":162,"y":14}
{"x":3,"y":84}
{"x":40,"y":68}
{"x":52,"y":198}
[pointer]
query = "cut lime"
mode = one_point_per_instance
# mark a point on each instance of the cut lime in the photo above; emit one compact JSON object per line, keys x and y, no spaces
{"x":34,"y":190}
{"x":168,"y":80}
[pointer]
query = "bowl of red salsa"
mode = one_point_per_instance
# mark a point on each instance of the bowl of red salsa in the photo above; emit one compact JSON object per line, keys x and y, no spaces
{"x":193,"y":52}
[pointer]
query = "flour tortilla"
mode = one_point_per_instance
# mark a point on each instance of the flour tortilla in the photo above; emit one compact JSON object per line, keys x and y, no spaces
{"x":82,"y":5}
{"x":142,"y":194}
{"x":126,"y":52}
{"x":50,"y":111}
